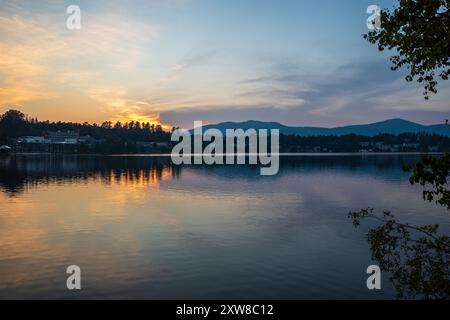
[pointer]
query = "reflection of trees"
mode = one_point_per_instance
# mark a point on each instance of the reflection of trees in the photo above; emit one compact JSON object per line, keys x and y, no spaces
{"x":20,"y":172}
{"x":417,"y":257}
{"x":377,"y":165}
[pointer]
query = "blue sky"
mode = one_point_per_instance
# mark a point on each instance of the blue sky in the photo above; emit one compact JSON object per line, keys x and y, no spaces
{"x":175,"y":61}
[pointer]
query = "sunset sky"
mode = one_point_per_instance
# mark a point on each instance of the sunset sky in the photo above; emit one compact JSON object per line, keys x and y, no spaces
{"x":175,"y":61}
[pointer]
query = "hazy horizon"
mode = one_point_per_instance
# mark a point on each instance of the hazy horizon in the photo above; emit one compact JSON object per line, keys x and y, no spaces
{"x":252,"y":120}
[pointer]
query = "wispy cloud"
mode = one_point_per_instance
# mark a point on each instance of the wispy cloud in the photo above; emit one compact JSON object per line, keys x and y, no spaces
{"x":40,"y":59}
{"x":176,"y":71}
{"x":153,"y":60}
{"x":351,"y":93}
{"x":117,"y":106}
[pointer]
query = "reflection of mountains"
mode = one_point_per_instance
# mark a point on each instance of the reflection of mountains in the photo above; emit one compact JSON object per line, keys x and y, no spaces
{"x":19,"y":172}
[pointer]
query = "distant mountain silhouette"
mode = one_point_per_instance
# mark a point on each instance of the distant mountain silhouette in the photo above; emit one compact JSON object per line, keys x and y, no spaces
{"x":392,"y":126}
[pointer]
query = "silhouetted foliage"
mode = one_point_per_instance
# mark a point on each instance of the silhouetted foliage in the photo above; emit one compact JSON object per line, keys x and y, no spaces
{"x":13,"y":121}
{"x":419,"y":32}
{"x":416,"y":257}
{"x":432,"y":171}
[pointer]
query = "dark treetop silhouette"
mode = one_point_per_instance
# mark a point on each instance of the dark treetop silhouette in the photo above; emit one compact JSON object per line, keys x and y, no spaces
{"x":418,"y":31}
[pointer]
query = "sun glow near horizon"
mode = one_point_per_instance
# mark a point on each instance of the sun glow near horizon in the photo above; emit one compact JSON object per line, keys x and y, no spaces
{"x":170,"y":63}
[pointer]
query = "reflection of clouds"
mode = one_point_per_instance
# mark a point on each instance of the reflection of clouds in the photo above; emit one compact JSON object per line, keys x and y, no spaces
{"x":55,"y":222}
{"x":125,"y":188}
{"x":83,"y":225}
{"x":106,"y":223}
{"x":132,"y":223}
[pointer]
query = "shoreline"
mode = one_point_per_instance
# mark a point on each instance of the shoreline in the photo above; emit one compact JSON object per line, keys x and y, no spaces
{"x":281,"y":154}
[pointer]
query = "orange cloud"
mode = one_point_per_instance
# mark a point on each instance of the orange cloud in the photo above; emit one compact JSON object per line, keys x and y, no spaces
{"x":43,"y":65}
{"x":116,"y":104}
{"x":152,"y":118}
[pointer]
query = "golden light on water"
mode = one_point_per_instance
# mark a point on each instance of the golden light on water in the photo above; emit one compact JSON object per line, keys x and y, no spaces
{"x":139,"y":179}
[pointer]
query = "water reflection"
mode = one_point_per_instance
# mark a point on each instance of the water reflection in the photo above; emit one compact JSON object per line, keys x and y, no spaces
{"x":142,"y":228}
{"x":17,"y":173}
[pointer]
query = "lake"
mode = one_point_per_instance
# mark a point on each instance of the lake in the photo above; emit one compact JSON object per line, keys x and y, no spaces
{"x":141,"y":228}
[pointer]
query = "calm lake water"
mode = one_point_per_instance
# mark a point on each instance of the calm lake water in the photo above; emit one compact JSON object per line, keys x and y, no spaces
{"x":141,"y":228}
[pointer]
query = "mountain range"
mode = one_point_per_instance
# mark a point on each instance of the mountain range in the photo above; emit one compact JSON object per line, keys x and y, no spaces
{"x":392,"y":126}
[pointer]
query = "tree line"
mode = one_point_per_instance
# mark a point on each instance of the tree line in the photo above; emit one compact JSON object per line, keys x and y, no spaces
{"x":14,"y":124}
{"x":128,"y":137}
{"x":405,"y":142}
